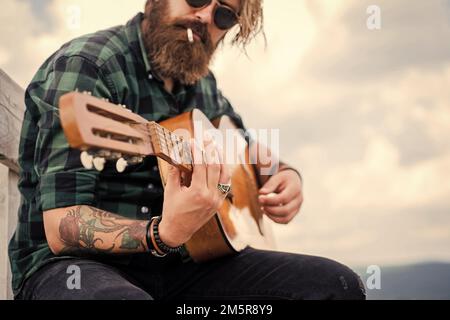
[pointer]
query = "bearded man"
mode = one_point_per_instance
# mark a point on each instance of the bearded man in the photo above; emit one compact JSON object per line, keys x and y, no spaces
{"x":96,"y":224}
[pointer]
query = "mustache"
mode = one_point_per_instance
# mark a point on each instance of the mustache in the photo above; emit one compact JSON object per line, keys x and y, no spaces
{"x":197,"y":27}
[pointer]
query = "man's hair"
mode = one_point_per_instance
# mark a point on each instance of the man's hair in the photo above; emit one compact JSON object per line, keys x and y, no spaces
{"x":251,"y":20}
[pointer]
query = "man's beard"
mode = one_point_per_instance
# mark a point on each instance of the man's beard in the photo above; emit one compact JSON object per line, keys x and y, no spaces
{"x":169,"y":50}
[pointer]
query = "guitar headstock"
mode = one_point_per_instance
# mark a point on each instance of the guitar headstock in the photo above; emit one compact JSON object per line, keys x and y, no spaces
{"x":105,"y":131}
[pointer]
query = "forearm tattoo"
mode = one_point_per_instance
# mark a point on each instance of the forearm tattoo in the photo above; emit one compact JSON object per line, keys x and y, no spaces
{"x":85,"y":230}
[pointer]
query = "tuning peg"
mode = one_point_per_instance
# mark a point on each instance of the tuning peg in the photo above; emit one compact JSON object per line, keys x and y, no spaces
{"x":99,"y":163}
{"x":121,"y":165}
{"x":86,"y":160}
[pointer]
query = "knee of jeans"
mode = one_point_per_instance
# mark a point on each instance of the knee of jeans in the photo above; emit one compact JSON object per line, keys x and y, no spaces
{"x":352,"y":286}
{"x":337,"y":281}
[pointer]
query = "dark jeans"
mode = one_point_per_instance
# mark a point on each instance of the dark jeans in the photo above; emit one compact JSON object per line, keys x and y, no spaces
{"x":251,"y":274}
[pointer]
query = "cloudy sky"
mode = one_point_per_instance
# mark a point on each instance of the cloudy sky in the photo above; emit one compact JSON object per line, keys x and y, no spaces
{"x":364,"y":114}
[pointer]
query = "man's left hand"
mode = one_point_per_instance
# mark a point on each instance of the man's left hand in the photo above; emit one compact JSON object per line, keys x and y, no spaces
{"x":282,"y":196}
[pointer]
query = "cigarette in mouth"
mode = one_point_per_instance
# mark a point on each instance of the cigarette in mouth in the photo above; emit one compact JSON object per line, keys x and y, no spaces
{"x":190,"y":35}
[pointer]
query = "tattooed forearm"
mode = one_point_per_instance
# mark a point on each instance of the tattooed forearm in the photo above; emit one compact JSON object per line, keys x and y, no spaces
{"x":132,"y":237}
{"x":88,"y":230}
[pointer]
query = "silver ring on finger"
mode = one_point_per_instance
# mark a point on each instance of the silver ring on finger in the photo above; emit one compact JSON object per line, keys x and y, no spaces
{"x":224,"y":188}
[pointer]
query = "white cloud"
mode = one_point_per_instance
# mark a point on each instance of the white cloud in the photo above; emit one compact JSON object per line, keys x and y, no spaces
{"x":34,"y":47}
{"x":375,"y":208}
{"x":5,"y":56}
{"x":94,"y":15}
{"x":380,"y":181}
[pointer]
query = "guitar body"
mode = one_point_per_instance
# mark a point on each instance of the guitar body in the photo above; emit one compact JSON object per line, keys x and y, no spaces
{"x":240,"y":221}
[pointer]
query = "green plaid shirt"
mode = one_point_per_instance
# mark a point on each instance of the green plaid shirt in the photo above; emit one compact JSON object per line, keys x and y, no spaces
{"x":111,"y":64}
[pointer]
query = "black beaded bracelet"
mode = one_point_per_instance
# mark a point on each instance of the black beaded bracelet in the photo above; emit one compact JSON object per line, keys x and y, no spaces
{"x":161,"y":245}
{"x":147,"y":237}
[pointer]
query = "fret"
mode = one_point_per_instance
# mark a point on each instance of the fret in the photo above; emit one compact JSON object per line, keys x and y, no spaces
{"x":181,"y":146}
{"x":176,"y":149}
{"x":164,"y":146}
{"x":167,"y":143}
{"x":187,"y":155}
{"x":158,"y":143}
{"x":170,"y":146}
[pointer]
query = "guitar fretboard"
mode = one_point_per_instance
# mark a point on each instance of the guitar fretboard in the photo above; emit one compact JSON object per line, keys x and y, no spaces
{"x":172,"y":148}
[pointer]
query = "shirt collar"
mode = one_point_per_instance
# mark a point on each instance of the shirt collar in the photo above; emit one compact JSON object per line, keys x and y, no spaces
{"x":136,"y":40}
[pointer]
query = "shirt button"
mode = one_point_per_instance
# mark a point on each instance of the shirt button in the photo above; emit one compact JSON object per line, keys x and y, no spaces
{"x":150,"y":186}
{"x":150,"y":77}
{"x":145,"y":210}
{"x":155,"y":168}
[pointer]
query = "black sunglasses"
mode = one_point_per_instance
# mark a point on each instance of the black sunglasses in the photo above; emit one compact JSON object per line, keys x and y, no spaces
{"x":224,"y":17}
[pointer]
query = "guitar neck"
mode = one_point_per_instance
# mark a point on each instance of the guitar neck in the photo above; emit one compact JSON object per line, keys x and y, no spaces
{"x":171,"y":147}
{"x":112,"y":132}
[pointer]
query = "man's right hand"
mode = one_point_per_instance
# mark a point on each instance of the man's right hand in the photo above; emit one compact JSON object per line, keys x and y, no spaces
{"x":187,"y":209}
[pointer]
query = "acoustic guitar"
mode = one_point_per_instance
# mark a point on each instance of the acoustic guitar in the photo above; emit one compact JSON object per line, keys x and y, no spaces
{"x":107,"y":132}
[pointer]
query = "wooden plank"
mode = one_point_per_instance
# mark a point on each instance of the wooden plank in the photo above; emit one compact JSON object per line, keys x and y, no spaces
{"x":11,"y":113}
{"x":4,"y":217}
{"x":9,"y":204}
{"x":12,"y":108}
{"x":13,"y":207}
